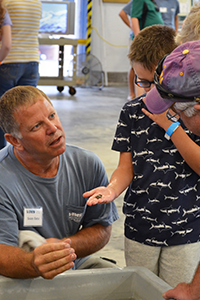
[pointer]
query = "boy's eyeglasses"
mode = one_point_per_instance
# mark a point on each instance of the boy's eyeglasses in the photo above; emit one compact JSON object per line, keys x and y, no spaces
{"x":173,"y":117}
{"x":165,"y":93}
{"x":143,"y":83}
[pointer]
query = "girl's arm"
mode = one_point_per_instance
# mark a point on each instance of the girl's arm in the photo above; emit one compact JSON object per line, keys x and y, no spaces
{"x":135,"y":26}
{"x":5,"y":41}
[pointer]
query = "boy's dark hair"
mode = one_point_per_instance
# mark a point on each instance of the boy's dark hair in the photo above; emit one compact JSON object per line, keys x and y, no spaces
{"x":151,"y":44}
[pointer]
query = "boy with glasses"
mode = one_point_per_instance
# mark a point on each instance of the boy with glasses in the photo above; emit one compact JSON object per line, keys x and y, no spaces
{"x":161,"y":232}
{"x":178,"y":90}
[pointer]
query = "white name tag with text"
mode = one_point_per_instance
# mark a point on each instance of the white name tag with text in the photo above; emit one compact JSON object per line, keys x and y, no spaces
{"x":33,"y":217}
{"x":163,"y":9}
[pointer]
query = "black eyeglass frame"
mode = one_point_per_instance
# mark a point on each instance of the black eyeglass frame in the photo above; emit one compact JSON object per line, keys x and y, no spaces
{"x":143,"y":81}
{"x":173,"y":117}
{"x":165,"y":93}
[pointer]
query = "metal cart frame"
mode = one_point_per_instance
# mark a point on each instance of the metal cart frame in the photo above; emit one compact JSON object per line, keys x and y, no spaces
{"x":60,"y":81}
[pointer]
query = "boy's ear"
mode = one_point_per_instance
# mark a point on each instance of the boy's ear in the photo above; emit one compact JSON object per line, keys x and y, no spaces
{"x":197,"y":106}
{"x":13,"y":141}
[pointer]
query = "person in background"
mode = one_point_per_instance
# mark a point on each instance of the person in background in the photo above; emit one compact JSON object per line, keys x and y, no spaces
{"x":160,"y":231}
{"x":5,"y":33}
{"x":48,"y":179}
{"x":143,"y":13}
{"x":177,"y":90}
{"x":133,"y":89}
{"x":169,"y":10}
{"x":21,"y":65}
{"x":125,"y":14}
{"x":190,"y":30}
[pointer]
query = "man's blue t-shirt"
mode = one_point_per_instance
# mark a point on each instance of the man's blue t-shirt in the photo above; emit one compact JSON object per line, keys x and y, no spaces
{"x":64,"y":210}
{"x":168,"y":10}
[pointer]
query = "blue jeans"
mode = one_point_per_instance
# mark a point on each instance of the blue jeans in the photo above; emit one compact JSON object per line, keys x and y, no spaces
{"x":14,"y":74}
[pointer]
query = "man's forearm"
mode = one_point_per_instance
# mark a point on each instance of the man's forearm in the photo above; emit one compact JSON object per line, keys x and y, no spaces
{"x":90,"y":240}
{"x":16,"y":263}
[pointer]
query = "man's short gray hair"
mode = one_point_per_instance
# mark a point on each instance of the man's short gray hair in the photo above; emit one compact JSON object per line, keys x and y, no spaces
{"x":190,"y":111}
{"x":12,"y":100}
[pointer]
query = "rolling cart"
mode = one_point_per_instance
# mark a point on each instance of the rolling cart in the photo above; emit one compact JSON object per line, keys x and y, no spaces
{"x":60,"y":81}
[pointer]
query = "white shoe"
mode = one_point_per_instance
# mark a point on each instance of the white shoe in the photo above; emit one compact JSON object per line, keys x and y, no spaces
{"x":129,"y":98}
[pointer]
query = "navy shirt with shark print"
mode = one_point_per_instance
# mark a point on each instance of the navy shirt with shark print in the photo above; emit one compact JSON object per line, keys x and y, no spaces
{"x":162,"y":203}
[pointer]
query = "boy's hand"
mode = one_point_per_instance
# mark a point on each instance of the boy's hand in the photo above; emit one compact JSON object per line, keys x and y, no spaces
{"x":160,"y":119}
{"x":100,"y":195}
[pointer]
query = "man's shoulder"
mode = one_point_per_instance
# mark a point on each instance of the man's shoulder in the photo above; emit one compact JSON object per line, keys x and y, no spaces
{"x":127,"y":8}
{"x":176,"y":2}
{"x":8,"y":167}
{"x":83,"y":160}
{"x":77,"y":149}
{"x":4,"y":153}
{"x":76,"y":152}
{"x":173,"y":4}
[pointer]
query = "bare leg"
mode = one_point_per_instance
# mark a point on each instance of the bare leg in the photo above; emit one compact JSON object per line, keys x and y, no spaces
{"x":131,"y":78}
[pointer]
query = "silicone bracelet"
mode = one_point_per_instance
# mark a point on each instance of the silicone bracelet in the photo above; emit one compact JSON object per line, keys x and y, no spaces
{"x":171,"y":130}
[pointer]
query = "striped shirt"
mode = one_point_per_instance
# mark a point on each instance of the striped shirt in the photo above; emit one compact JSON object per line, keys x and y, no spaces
{"x":25,"y":16}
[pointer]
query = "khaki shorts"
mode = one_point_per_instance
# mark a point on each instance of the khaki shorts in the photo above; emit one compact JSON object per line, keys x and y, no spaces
{"x":173,"y":264}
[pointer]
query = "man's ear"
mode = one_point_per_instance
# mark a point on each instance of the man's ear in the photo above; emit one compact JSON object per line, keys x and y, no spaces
{"x":197,"y":106}
{"x":13,"y":141}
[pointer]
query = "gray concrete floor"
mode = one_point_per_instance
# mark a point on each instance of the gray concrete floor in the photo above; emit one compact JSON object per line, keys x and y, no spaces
{"x":89,"y":119}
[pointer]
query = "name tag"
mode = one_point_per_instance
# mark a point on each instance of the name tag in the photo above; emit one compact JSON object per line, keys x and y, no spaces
{"x":33,"y":217}
{"x":163,"y":9}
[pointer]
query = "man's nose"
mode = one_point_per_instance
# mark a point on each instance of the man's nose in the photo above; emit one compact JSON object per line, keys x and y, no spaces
{"x":51,"y":128}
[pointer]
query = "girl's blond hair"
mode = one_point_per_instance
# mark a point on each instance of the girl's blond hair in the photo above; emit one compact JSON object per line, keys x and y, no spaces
{"x":190,"y":30}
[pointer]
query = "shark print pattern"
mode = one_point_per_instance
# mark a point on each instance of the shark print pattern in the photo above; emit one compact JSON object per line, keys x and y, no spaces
{"x":183,"y":176}
{"x":162,"y":203}
{"x":170,"y":210}
{"x":154,"y":140}
{"x":160,"y":185}
{"x":138,"y":132}
{"x":165,"y":168}
{"x":154,"y":242}
{"x":170,"y":151}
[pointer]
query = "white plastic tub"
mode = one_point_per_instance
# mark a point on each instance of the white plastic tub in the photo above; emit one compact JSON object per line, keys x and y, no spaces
{"x":136,"y":283}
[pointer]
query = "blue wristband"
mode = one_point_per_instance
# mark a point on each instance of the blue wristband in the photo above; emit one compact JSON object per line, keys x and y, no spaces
{"x":171,"y":130}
